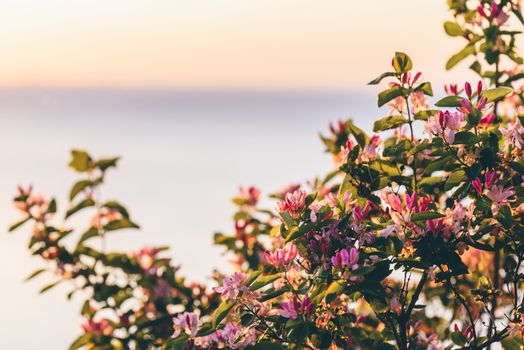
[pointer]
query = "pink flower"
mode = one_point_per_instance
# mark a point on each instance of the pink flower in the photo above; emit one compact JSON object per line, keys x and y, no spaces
{"x":513,"y":133}
{"x":289,"y":309}
{"x":394,"y":202}
{"x":499,"y":196}
{"x":451,"y":89}
{"x":477,"y":185}
{"x":445,"y":125}
{"x":370,"y":151}
{"x":234,"y":336}
{"x":145,"y":257}
{"x":281,"y":257}
{"x":188,"y":323}
{"x":419,"y":101}
{"x":102,"y":327}
{"x":344,"y":258}
{"x":249,"y":196}
{"x":490,"y":178}
{"x":360,"y":214}
{"x":233,"y":286}
{"x":294,"y":203}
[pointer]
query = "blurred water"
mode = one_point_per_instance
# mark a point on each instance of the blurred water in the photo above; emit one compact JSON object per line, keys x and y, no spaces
{"x":184,"y":154}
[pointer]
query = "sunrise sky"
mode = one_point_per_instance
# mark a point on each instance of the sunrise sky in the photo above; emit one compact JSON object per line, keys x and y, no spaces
{"x":305,"y":44}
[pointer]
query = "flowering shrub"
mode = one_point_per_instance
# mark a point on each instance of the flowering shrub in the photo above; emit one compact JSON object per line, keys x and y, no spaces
{"x":414,"y":241}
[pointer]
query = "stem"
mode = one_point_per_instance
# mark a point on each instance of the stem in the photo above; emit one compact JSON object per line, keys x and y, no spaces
{"x":414,"y":166}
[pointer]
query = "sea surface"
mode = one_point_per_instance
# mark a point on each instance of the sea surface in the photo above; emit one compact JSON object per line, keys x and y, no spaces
{"x":184,"y":154}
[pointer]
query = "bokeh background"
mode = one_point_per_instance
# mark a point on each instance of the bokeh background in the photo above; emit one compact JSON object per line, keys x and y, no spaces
{"x":198,"y":97}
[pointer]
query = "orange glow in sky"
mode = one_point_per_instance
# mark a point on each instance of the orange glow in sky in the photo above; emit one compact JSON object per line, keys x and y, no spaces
{"x":217,"y":43}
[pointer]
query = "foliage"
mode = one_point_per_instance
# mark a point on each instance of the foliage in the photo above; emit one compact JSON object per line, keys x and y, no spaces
{"x":414,"y":241}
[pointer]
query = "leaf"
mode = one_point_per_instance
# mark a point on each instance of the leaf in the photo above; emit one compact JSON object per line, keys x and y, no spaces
{"x":402,"y":63}
{"x":458,"y":338}
{"x":424,"y":115}
{"x":34,"y":274}
{"x":264,"y":281}
{"x":379,"y":78}
{"x":266,"y":345}
{"x":465,"y":138}
{"x":518,"y":167}
{"x":425,"y":88}
{"x":79,"y":187}
{"x":221,"y":312}
{"x":335,"y":289}
{"x":116,"y":206}
{"x":437,"y":165}
{"x":120,"y":224}
{"x":459,"y":56}
{"x":80,"y":161}
{"x":453,"y":29}
{"x":449,"y":101}
{"x":497,"y":93}
{"x":49,"y":287}
{"x":389,"y":122}
{"x":361,"y":137}
{"x":389,"y":94}
{"x":454,"y":179}
{"x":425,"y":215}
{"x":18,"y":224}
{"x":80,"y":341}
{"x":92,"y":232}
{"x":86,"y":203}
{"x":106,"y":163}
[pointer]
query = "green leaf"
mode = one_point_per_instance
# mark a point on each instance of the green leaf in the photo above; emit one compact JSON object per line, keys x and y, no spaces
{"x":92,"y":232}
{"x":106,"y":163}
{"x":81,"y":161}
{"x":389,"y":122}
{"x":389,"y":94}
{"x":453,"y":29}
{"x":459,"y":56}
{"x":425,"y":215}
{"x":266,"y":345}
{"x":511,"y":343}
{"x":497,"y":93}
{"x":335,"y":289}
{"x":361,"y":137}
{"x":454,"y":179}
{"x":120,"y":224}
{"x":79,"y":187}
{"x":402,"y":63}
{"x":424,"y":115}
{"x":222,"y":311}
{"x":449,"y":101}
{"x":517,"y":166}
{"x":458,"y":338}
{"x":49,"y":287}
{"x":80,"y":341}
{"x":425,"y":88}
{"x":264,"y":281}
{"x":34,"y":274}
{"x":86,"y":203}
{"x":18,"y":224}
{"x":465,"y":138}
{"x":437,"y":165}
{"x":382,"y":76}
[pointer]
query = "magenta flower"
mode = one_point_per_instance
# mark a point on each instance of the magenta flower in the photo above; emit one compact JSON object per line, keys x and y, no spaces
{"x":234,"y":336}
{"x":294,"y":204}
{"x":344,"y":258}
{"x":188,"y":323}
{"x":445,"y":125}
{"x":477,"y":185}
{"x":513,"y":134}
{"x":250,"y":195}
{"x":289,"y":309}
{"x":281,"y":257}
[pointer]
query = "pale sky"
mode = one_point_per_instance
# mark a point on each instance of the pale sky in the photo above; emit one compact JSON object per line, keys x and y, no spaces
{"x":306,"y":44}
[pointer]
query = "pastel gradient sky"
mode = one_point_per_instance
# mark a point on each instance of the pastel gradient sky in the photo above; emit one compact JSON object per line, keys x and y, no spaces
{"x":306,"y":44}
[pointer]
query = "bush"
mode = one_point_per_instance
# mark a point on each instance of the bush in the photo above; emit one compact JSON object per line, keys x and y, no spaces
{"x":414,"y":241}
